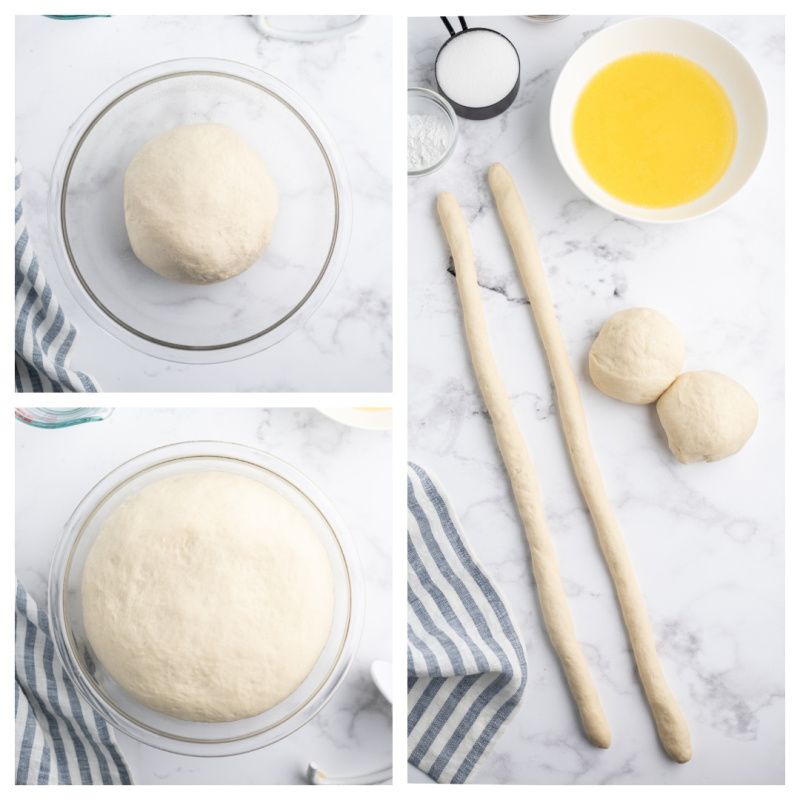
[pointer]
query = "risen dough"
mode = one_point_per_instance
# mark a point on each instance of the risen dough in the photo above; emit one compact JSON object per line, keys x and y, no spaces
{"x":208,"y":597}
{"x":707,"y":416}
{"x":636,"y":356}
{"x":199,"y":204}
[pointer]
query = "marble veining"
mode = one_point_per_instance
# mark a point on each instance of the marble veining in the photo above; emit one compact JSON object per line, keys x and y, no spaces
{"x":347,"y":344}
{"x":706,"y":540}
{"x":352,"y":734}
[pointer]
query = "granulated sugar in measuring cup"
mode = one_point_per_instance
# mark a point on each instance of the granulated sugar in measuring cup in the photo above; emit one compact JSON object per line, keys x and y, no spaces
{"x":478,"y":71}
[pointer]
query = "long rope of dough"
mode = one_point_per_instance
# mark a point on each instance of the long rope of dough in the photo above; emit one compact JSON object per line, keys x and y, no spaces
{"x":672,"y":727}
{"x":523,"y":480}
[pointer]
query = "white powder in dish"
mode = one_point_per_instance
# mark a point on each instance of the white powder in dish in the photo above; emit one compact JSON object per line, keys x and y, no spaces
{"x":477,"y":68}
{"x":428,"y":139}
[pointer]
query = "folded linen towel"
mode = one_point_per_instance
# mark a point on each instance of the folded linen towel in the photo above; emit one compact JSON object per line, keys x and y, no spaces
{"x":43,"y":337}
{"x":58,"y":737}
{"x":467,"y":669}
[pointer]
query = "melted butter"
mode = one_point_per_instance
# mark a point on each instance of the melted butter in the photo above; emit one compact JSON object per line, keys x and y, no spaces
{"x":654,"y":129}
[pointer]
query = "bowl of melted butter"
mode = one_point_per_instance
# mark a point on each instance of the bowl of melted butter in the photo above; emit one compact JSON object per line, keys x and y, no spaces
{"x":658,"y":119}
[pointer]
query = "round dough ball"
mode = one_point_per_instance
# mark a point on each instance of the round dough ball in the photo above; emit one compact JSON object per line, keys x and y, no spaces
{"x":199,"y":204}
{"x":207,"y":596}
{"x":636,"y":356}
{"x":707,"y":416}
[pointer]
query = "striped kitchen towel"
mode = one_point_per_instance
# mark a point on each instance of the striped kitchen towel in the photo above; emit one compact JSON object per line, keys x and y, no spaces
{"x":466,"y":661}
{"x":58,"y":737}
{"x":43,"y":337}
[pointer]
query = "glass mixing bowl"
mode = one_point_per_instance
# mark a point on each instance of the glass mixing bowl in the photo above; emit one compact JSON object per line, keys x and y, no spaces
{"x":222,"y":321}
{"x":61,"y":417}
{"x":115,"y":705}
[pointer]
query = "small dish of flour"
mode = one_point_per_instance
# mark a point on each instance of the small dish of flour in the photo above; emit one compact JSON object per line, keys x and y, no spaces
{"x":428,"y":140}
{"x":432,"y":131}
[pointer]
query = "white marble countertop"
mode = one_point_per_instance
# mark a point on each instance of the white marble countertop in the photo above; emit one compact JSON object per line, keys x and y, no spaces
{"x":352,"y":734}
{"x":706,"y":540}
{"x":347,"y":344}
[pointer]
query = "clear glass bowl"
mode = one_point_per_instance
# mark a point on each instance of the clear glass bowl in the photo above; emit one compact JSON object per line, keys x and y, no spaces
{"x":307,"y":27}
{"x":61,"y":417}
{"x":223,"y":321}
{"x":539,"y":18}
{"x":115,"y":705}
{"x":425,"y":101}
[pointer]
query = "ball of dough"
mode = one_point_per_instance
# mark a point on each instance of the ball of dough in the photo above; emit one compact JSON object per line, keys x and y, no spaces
{"x":707,"y":416}
{"x":207,"y":596}
{"x":199,"y":204}
{"x":636,"y":355}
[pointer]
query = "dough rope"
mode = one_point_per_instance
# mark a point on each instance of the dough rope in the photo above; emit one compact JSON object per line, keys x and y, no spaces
{"x":672,"y":727}
{"x":515,"y":455}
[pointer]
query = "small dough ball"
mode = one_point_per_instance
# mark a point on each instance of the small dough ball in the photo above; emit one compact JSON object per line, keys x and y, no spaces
{"x":199,"y":204}
{"x":636,"y":356}
{"x":707,"y":416}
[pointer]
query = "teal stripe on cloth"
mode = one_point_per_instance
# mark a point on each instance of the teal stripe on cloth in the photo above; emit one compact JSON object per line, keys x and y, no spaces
{"x":467,"y":668}
{"x":59,"y":739}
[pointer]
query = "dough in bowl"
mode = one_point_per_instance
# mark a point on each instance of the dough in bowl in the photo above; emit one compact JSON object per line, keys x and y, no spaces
{"x":707,"y":416}
{"x":207,"y":596}
{"x":199,"y":204}
{"x":636,"y":355}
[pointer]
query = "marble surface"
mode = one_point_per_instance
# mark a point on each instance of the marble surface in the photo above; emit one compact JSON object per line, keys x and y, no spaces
{"x":352,"y":734}
{"x":347,"y":344}
{"x":706,"y":540}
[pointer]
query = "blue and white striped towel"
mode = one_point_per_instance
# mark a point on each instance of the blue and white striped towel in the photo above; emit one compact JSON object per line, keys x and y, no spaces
{"x":58,"y":737}
{"x":43,"y":337}
{"x":466,"y":661}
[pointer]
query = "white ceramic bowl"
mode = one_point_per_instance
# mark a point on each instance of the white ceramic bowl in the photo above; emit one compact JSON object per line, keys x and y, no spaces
{"x":706,"y":48}
{"x":370,"y":418}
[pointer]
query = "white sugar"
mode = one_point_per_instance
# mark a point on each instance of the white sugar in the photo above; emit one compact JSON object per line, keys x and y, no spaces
{"x":428,"y":139}
{"x":477,"y":68}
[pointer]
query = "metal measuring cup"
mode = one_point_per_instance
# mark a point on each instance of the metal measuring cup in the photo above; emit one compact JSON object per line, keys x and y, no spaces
{"x":473,"y":112}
